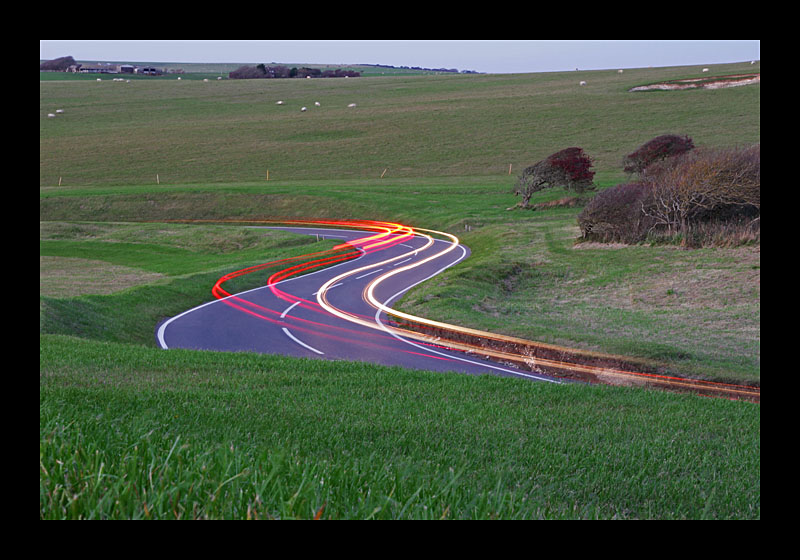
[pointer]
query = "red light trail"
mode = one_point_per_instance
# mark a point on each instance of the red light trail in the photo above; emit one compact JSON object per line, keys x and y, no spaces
{"x":536,"y":356}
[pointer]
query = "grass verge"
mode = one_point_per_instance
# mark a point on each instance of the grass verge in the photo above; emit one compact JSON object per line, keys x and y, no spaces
{"x":129,"y":432}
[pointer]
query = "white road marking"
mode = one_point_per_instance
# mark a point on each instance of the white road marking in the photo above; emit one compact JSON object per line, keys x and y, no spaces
{"x":367,"y":274}
{"x":451,"y":356}
{"x":401,"y":262}
{"x":300,"y":342}
{"x":162,"y":329}
{"x":339,"y":284}
{"x":289,"y":309}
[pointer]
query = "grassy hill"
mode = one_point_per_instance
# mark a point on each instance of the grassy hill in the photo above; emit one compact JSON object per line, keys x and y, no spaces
{"x":419,"y":126}
{"x":204,"y":425}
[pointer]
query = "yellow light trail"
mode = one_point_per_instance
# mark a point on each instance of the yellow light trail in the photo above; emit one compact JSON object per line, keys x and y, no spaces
{"x":598,"y":372}
{"x":388,"y":237}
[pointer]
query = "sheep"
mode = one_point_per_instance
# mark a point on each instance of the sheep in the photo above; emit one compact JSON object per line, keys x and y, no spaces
{"x":59,"y":110}
{"x":352,"y":105}
{"x":619,"y":71}
{"x":303,"y":109}
{"x":582,"y":83}
{"x":50,"y":115}
{"x":705,"y":69}
{"x":316,"y":103}
{"x":219,"y":77}
{"x":279,"y":103}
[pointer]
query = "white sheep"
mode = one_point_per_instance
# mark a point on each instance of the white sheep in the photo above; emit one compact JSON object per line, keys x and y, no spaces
{"x":279,"y":103}
{"x":59,"y":110}
{"x":619,"y":71}
{"x":316,"y":103}
{"x":582,"y":83}
{"x":352,"y":105}
{"x":303,"y":109}
{"x":50,"y":115}
{"x":705,"y":69}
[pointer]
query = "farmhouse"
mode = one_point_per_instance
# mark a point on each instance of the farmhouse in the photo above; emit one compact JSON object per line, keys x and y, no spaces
{"x":147,"y":70}
{"x":97,"y":69}
{"x":108,"y":68}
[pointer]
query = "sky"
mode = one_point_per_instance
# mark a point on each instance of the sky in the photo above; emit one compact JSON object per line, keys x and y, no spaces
{"x":490,"y":56}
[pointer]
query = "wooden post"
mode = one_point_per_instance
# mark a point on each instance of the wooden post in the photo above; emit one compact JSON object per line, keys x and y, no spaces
{"x":267,"y":174}
{"x":158,"y":181}
{"x":59,"y":181}
{"x":509,"y":168}
{"x":384,"y":172}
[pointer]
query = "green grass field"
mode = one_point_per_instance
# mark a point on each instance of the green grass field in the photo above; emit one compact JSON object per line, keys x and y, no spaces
{"x":131,"y":431}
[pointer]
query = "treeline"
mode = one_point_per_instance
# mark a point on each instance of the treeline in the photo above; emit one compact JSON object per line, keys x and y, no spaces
{"x":451,"y":70}
{"x":698,"y":196}
{"x":57,"y":64}
{"x":261,"y":71}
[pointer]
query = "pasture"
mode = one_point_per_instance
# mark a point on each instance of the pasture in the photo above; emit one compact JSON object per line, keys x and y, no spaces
{"x":131,"y":431}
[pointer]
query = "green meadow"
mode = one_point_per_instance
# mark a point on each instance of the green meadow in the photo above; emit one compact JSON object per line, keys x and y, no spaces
{"x":128,"y":430}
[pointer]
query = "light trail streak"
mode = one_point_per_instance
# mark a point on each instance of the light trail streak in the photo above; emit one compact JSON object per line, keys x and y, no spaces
{"x":381,"y":241}
{"x":535,"y":362}
{"x":485,"y":343}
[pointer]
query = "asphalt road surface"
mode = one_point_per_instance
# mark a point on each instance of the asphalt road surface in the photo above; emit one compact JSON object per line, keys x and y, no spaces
{"x":286,"y":317}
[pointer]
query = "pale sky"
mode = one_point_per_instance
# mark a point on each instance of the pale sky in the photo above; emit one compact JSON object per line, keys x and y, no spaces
{"x":491,"y":56}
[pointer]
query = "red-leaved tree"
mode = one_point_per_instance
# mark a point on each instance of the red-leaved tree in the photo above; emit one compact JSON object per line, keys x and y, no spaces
{"x":570,"y":168}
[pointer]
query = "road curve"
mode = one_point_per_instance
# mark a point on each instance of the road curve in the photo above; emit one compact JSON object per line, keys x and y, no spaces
{"x":337,"y":312}
{"x":336,"y":304}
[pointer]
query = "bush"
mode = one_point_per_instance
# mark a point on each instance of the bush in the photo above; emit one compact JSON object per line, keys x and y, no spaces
{"x":616,"y":214}
{"x":699,"y":197}
{"x":704,"y":185}
{"x":657,"y":149}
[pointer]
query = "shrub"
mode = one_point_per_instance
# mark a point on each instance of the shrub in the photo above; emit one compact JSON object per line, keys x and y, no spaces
{"x":703,"y":185}
{"x":657,"y":149}
{"x":700,"y":197}
{"x":616,"y":214}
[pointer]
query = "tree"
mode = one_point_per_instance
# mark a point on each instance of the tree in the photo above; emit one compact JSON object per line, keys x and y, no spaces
{"x":59,"y":64}
{"x":657,"y":149}
{"x":569,"y":168}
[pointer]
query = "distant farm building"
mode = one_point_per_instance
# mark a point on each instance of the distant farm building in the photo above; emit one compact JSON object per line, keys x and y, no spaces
{"x":148,"y":70}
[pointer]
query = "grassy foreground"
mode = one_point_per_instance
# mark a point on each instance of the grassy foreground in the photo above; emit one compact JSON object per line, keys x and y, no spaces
{"x":130,"y":432}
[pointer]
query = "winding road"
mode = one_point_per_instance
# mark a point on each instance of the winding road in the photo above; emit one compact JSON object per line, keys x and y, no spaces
{"x":338,"y":312}
{"x":336,"y":305}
